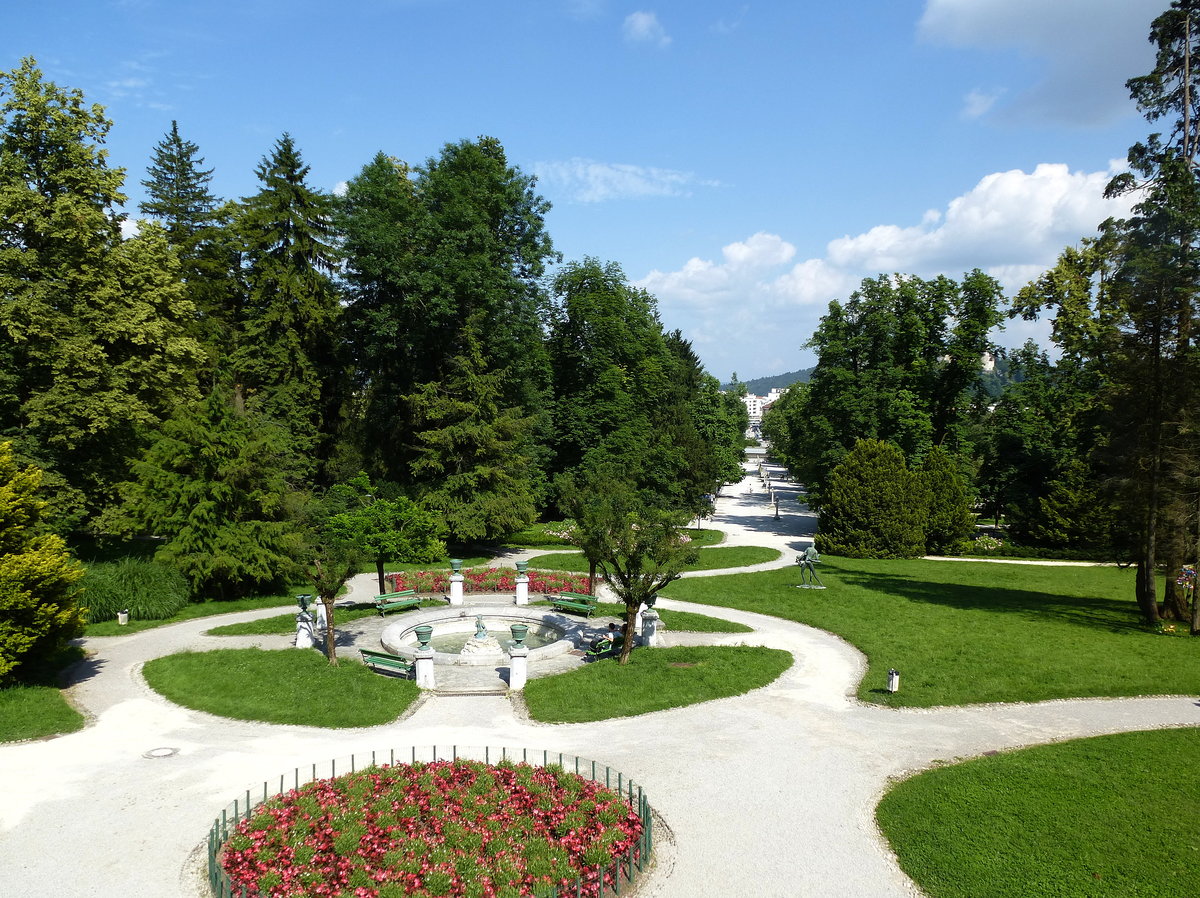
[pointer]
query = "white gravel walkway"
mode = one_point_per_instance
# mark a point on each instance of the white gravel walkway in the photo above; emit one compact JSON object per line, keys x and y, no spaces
{"x":768,"y":794}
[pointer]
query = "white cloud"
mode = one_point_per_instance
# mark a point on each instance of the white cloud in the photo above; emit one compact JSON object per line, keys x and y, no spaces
{"x":1086,"y":49}
{"x":644,"y":28}
{"x":591,"y":181}
{"x":977,"y":103}
{"x":751,"y":305}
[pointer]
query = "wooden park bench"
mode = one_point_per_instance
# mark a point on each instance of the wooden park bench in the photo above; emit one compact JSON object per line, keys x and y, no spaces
{"x":376,"y":660}
{"x":390,"y":601}
{"x":573,"y":601}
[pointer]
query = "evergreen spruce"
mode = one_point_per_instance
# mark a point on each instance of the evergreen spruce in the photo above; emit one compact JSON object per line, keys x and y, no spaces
{"x":212,"y":484}
{"x":287,"y":357}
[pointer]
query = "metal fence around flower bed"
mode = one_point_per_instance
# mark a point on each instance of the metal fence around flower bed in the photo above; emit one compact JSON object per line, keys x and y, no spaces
{"x":612,"y":877}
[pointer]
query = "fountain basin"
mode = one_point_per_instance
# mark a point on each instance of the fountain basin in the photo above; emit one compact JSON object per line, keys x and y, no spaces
{"x":557,"y":632}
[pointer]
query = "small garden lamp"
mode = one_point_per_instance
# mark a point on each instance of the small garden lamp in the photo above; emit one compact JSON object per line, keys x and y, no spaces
{"x":893,"y":680}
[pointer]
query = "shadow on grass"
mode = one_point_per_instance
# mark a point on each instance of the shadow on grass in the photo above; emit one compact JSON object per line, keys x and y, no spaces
{"x":1084,"y":611}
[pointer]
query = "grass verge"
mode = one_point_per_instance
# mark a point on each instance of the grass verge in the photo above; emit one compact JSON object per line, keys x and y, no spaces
{"x":289,"y":687}
{"x":710,"y":559}
{"x":653,"y":680}
{"x":961,"y":633}
{"x":286,"y":623}
{"x":33,"y":712}
{"x":1092,"y":817}
{"x":678,"y":620}
{"x":193,"y":611}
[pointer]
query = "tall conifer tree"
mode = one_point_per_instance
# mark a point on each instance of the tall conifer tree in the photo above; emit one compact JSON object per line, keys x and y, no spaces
{"x":287,"y":356}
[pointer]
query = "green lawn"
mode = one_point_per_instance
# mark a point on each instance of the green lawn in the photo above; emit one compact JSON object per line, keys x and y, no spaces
{"x":194,"y":611}
{"x":290,"y":686}
{"x":536,"y":537}
{"x":1108,"y":817}
{"x":676,"y":620}
{"x":286,"y":623}
{"x":368,"y":567}
{"x":653,"y":680}
{"x":962,"y":632}
{"x":710,"y":559}
{"x":32,"y":712}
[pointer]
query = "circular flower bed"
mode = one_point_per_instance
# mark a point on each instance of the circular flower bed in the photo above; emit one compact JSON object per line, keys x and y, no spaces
{"x":453,"y":828}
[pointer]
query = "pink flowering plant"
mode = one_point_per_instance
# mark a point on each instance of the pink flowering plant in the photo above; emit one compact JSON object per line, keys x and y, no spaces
{"x":489,"y":579}
{"x":445,"y":828}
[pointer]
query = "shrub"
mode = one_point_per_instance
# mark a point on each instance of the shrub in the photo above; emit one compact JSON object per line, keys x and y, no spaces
{"x":875,"y":506}
{"x":950,"y":520}
{"x":37,"y":579}
{"x":150,"y":591}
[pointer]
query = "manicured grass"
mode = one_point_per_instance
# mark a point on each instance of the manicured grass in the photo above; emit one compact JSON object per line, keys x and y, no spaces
{"x":710,"y":559}
{"x":368,"y":567}
{"x":290,"y":686}
{"x":962,"y":632}
{"x":536,"y":537}
{"x":192,"y":612}
{"x":1085,"y":819}
{"x":653,"y":680}
{"x":32,"y":712}
{"x":286,"y":623}
{"x":677,"y":620}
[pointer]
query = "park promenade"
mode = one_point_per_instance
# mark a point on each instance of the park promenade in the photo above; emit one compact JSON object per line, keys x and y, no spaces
{"x":766,"y":794}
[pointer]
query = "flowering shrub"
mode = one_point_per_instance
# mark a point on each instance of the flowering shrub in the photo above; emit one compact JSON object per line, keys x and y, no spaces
{"x":490,"y":579}
{"x":446,"y":828}
{"x":987,"y":543}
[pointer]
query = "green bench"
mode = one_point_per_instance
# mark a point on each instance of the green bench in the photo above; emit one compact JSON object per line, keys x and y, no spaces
{"x":376,"y":660}
{"x":390,"y":601}
{"x":573,"y":601}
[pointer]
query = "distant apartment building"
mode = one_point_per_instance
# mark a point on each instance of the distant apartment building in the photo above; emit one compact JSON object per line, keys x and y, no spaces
{"x":757,"y":406}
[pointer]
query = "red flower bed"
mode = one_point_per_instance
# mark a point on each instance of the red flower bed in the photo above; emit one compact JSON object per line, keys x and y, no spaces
{"x":461,"y":828}
{"x":488,"y":579}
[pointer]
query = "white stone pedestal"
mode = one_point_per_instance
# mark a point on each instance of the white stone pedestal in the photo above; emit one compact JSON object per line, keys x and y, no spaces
{"x":518,"y":666}
{"x":650,"y":627}
{"x":322,"y":615}
{"x":424,"y":663}
{"x":522,"y":589}
{"x":638,"y":619}
{"x":456,"y":589}
{"x":304,"y":631}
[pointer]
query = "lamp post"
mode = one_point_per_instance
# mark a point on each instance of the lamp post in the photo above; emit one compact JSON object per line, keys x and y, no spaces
{"x":456,"y":582}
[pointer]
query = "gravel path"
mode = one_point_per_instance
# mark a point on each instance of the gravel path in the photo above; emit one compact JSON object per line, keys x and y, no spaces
{"x":768,"y":794}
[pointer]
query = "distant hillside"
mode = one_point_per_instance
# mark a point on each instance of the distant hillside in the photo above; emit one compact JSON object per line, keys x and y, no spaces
{"x":761,"y":386}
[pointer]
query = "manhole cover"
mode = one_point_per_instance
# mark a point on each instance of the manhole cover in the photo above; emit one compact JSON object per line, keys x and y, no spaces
{"x":160,"y":753}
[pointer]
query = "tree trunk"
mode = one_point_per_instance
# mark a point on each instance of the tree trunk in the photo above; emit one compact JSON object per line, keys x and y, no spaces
{"x":379,"y":571}
{"x":1147,"y":598}
{"x":591,"y":577}
{"x":330,"y":635}
{"x":630,"y":617}
{"x":1174,"y":600}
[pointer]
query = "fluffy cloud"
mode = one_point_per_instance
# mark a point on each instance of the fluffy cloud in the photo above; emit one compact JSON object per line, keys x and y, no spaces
{"x":1011,"y":224}
{"x":1079,"y":44}
{"x":590,"y":181}
{"x":644,"y":28}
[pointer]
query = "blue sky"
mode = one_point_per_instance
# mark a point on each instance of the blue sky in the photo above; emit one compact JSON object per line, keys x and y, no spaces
{"x":745,"y":162}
